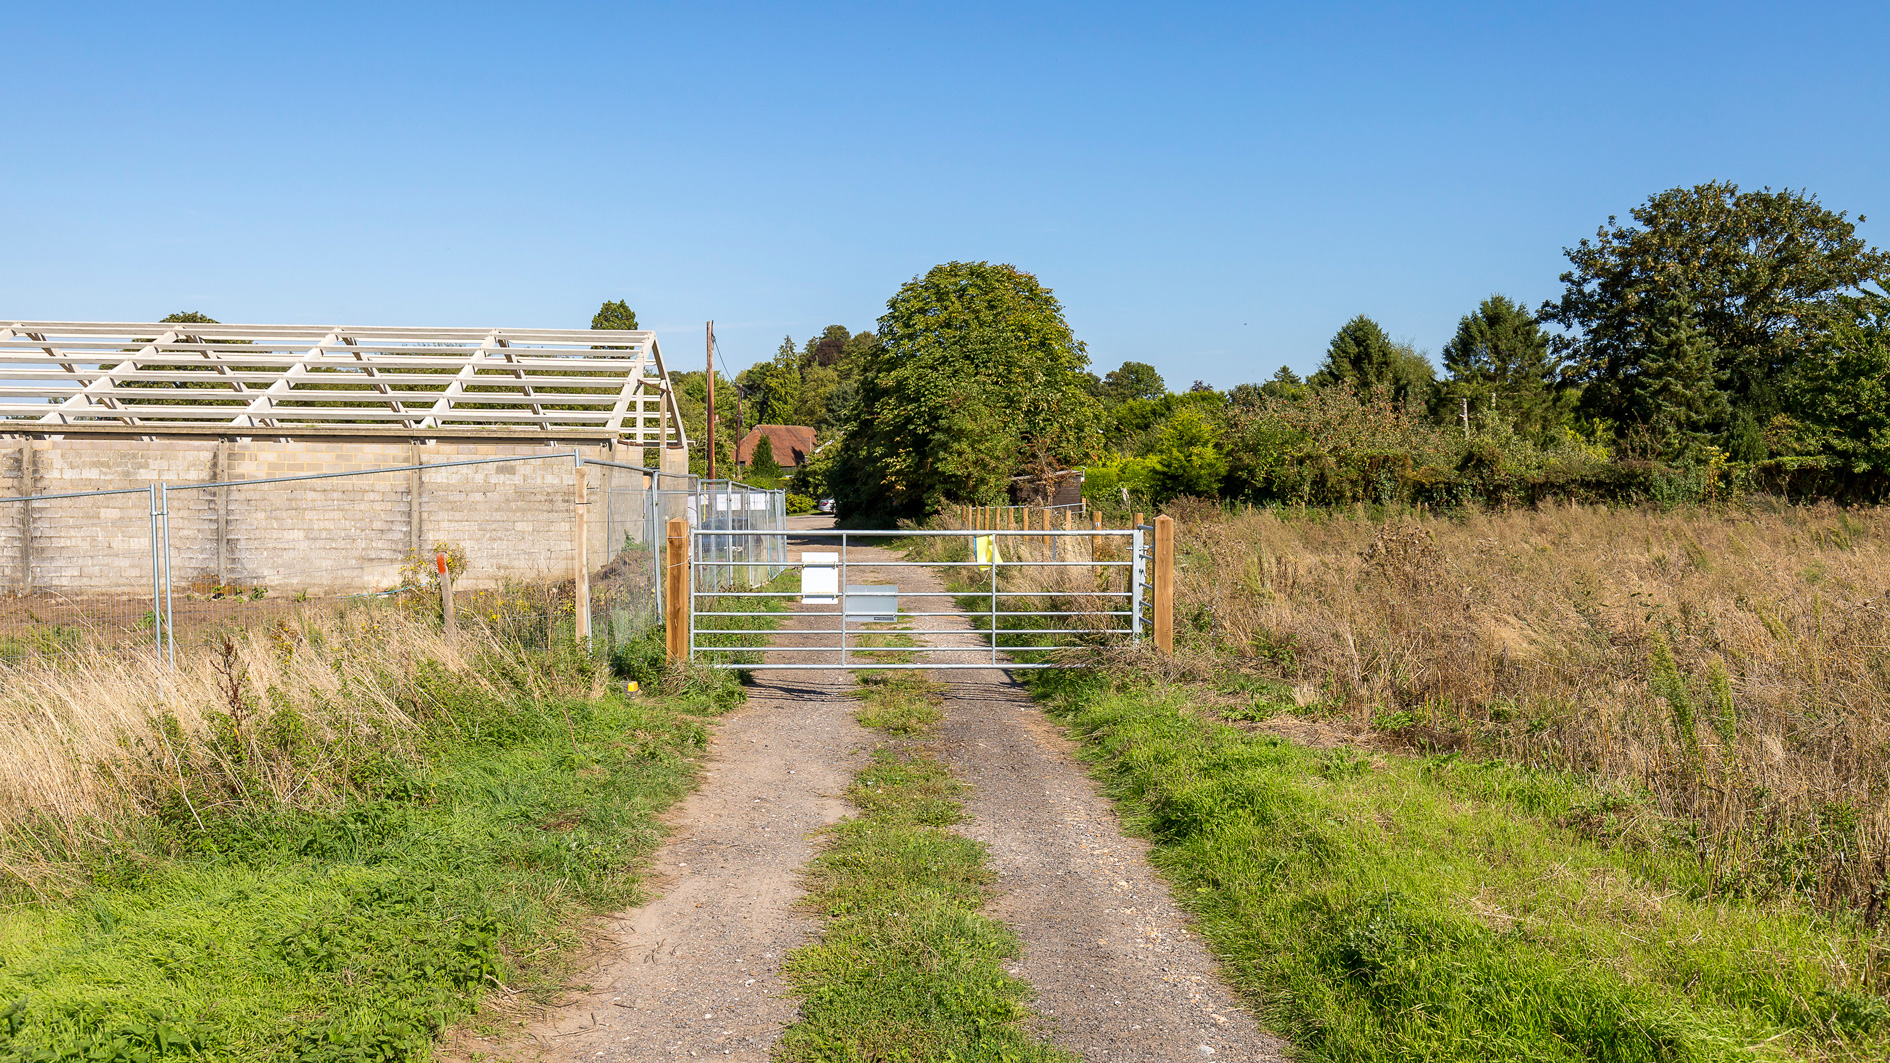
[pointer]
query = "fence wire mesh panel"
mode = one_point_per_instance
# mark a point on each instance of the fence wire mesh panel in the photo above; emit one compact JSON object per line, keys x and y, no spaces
{"x":79,"y":571}
{"x":626,"y":578}
{"x":740,"y":547}
{"x":251,"y":552}
{"x":147,"y":568}
{"x":1047,"y":598}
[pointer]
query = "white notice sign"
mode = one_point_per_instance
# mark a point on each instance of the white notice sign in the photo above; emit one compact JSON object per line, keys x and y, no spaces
{"x":820,"y":577}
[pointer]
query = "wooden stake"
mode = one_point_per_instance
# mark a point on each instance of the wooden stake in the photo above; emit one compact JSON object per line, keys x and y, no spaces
{"x":446,"y":597}
{"x":676,"y":592}
{"x":581,"y":557}
{"x":1165,"y":584}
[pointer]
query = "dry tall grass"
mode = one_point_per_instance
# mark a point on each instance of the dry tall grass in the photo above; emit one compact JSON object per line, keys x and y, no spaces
{"x":92,"y":745}
{"x":1736,"y":664}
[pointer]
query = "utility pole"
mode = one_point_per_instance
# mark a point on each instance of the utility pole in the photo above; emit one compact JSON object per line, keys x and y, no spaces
{"x":1466,"y":417}
{"x":709,"y":420}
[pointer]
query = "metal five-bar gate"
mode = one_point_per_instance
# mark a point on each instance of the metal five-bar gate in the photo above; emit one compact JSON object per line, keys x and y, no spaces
{"x":952,"y":599}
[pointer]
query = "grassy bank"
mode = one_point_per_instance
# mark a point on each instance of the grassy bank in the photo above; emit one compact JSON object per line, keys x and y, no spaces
{"x":1391,"y":907}
{"x":1731,"y":662}
{"x":318,"y":843}
{"x":906,"y":968}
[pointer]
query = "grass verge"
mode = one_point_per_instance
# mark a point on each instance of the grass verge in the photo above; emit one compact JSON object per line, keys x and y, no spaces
{"x":1394,"y":908}
{"x":907,"y":968}
{"x":224,"y":921}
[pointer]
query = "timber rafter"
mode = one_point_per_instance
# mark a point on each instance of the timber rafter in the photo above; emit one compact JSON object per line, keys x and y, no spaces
{"x":71,"y":377}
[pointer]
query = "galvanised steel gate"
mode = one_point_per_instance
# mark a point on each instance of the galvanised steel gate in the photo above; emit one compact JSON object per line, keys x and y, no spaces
{"x":952,"y":599}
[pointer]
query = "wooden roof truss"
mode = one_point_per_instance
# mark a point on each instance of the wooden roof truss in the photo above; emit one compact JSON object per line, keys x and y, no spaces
{"x":270,"y":380}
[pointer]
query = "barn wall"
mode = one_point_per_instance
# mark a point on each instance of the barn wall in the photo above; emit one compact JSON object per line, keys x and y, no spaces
{"x":322,"y":536}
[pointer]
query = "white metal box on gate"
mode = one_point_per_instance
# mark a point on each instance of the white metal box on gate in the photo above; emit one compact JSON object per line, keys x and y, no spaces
{"x":876,"y":603}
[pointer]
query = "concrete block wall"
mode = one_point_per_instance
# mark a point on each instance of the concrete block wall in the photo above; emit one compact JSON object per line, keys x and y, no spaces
{"x":344,"y":535}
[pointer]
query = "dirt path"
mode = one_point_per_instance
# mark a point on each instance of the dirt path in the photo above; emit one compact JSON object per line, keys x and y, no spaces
{"x":695,"y":973}
{"x":1119,"y":975}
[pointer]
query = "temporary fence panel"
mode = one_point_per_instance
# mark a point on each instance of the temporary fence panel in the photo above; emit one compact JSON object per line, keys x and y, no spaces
{"x":1063,"y":588}
{"x":154,"y":565}
{"x":250,"y":551}
{"x":80,"y":570}
{"x":743,"y":550}
{"x":626,"y":568}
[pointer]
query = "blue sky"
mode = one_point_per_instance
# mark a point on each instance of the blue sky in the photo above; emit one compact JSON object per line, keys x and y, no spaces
{"x":1212,"y":188}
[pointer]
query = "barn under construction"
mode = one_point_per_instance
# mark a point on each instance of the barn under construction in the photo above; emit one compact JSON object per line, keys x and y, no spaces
{"x":323,"y":460}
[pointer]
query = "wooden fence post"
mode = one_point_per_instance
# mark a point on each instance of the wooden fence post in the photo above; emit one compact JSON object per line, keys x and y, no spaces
{"x":676,"y":592}
{"x":581,"y":557}
{"x":446,"y":598}
{"x":1165,"y":584}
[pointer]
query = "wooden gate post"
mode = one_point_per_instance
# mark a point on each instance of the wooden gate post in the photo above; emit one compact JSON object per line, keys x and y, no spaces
{"x":676,"y":592}
{"x":1165,"y":584}
{"x":581,"y":557}
{"x":450,"y":618}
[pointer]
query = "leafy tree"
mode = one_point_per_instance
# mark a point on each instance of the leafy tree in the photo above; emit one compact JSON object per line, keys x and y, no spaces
{"x":1132,"y":380}
{"x":776,"y":385}
{"x":189,"y":317}
{"x":975,"y":373}
{"x":1186,"y":460}
{"x":761,"y":463}
{"x":817,"y":382}
{"x":1363,"y":357}
{"x":828,"y":348}
{"x":614,"y":314}
{"x":1761,"y":271}
{"x":1678,"y":387}
{"x":1839,"y":392}
{"x":1284,"y":384}
{"x":1499,"y":361}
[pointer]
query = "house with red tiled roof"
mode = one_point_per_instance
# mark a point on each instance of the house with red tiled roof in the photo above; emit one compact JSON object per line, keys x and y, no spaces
{"x":793,"y":444}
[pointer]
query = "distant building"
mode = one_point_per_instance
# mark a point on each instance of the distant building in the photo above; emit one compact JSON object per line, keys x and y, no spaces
{"x":793,"y":444}
{"x":1054,"y":489}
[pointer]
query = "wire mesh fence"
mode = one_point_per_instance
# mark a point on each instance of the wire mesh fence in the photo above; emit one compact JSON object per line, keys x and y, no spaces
{"x":735,"y":558}
{"x":145,"y":568}
{"x":80,"y":569}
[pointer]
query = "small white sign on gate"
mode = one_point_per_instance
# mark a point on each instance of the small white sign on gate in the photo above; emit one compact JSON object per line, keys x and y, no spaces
{"x":820,"y":577}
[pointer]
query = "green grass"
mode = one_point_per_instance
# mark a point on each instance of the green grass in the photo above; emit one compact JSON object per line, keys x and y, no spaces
{"x":1405,"y":908}
{"x":765,"y":614}
{"x":907,"y":969}
{"x":361,"y":931}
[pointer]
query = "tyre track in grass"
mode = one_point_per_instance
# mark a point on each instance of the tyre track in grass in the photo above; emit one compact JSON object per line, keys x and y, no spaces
{"x":695,"y":973}
{"x":1120,"y":975}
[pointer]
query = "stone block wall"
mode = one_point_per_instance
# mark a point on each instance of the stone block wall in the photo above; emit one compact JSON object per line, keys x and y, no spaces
{"x":342,"y":535}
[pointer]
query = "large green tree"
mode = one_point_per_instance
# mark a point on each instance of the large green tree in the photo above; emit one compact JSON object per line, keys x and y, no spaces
{"x":614,"y":314}
{"x":1678,"y":393}
{"x":976,"y":378}
{"x":1838,"y":395}
{"x":1133,"y":380}
{"x":1761,"y":272}
{"x":1364,"y":358}
{"x":1500,"y":365}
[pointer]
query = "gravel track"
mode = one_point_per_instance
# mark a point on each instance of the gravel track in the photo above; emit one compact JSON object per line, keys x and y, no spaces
{"x":695,"y":973}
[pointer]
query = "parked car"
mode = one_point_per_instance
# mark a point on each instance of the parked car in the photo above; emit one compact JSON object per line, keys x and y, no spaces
{"x":826,"y":505}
